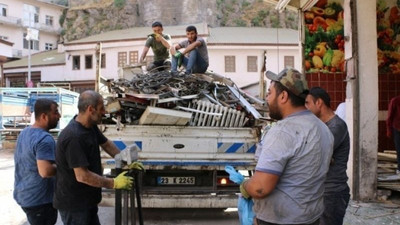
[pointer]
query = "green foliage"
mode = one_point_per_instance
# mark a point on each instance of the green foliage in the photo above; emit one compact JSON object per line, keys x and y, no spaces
{"x":257,"y":21}
{"x":63,"y":32}
{"x":119,"y":3}
{"x":62,"y":17}
{"x":240,"y":22}
{"x":263,"y":13}
{"x":220,"y":2}
{"x":245,"y":4}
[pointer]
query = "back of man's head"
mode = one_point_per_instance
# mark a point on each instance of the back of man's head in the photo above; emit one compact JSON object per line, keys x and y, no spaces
{"x":88,"y":98}
{"x":43,"y":105}
{"x":320,"y":93}
{"x":191,"y":28}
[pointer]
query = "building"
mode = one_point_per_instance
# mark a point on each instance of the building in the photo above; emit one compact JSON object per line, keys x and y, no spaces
{"x":35,"y":14}
{"x":239,"y":57}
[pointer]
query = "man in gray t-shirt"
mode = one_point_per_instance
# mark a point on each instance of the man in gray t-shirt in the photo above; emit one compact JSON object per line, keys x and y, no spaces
{"x":288,"y":183}
{"x":196,"y":49}
{"x":337,"y":192}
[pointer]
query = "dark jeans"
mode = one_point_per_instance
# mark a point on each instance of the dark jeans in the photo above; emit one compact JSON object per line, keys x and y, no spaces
{"x":41,"y":214}
{"x":260,"y":222}
{"x":80,"y":217}
{"x":335,"y":208}
{"x":396,"y":138}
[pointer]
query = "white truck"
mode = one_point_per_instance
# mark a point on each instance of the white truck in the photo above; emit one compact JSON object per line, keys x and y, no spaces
{"x":185,"y":165}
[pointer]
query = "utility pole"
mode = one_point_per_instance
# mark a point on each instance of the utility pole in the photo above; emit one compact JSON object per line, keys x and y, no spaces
{"x":98,"y":67}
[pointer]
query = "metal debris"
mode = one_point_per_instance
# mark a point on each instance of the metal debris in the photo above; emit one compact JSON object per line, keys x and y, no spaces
{"x":212,"y":99}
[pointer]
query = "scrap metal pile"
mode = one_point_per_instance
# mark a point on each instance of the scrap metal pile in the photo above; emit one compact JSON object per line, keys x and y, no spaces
{"x":164,"y":98}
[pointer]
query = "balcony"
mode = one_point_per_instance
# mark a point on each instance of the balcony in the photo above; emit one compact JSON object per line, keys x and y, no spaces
{"x":10,"y":20}
{"x":43,"y":27}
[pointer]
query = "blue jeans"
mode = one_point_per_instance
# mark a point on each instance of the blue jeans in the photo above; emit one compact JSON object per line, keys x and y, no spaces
{"x":335,"y":207}
{"x":80,"y":217}
{"x":396,"y":138}
{"x":194,"y":64}
{"x":41,"y":214}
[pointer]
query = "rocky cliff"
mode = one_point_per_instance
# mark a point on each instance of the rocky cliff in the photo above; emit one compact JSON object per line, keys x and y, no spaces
{"x":88,"y":17}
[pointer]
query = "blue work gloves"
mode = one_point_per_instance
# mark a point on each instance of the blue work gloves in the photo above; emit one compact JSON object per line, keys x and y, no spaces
{"x":238,"y":179}
{"x":245,"y":203}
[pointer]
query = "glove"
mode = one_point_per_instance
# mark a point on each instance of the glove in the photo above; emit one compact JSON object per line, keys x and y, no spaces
{"x":244,"y":192}
{"x":136,"y":166}
{"x":154,"y":35}
{"x":234,"y":176}
{"x":123,"y":182}
{"x":178,"y":54}
{"x":238,"y":178}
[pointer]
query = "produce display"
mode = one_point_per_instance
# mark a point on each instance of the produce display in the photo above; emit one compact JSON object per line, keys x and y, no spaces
{"x":388,"y":28}
{"x":324,"y":43}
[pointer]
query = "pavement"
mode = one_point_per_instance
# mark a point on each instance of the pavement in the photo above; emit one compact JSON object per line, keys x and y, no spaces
{"x":385,"y":212}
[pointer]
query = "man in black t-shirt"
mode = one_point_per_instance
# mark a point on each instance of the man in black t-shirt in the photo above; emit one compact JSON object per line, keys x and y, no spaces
{"x":337,"y":192}
{"x":79,"y":175}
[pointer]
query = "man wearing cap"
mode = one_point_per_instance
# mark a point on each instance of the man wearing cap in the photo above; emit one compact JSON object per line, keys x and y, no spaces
{"x":288,"y":184}
{"x":160,"y":44}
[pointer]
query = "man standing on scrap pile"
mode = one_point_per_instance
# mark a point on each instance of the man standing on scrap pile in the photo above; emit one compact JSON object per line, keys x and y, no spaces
{"x":79,"y":174}
{"x":288,"y":184}
{"x":196,"y":47}
{"x":160,"y":44}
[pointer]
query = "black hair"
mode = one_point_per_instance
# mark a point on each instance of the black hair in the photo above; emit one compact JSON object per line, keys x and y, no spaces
{"x":88,"y":98}
{"x":43,"y":105}
{"x":318,"y":92}
{"x":296,"y":100}
{"x":191,"y":28}
{"x":156,"y":24}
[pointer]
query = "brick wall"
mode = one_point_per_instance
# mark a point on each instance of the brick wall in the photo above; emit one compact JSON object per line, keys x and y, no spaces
{"x":389,"y":87}
{"x":333,"y":83}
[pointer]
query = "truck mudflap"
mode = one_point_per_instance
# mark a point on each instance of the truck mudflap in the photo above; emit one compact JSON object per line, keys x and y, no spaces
{"x":180,"y":201}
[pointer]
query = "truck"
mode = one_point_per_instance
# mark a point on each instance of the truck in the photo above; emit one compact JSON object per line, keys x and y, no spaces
{"x":16,"y":107}
{"x":185,"y":164}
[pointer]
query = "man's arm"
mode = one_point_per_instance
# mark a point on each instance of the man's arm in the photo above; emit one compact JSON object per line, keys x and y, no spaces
{"x":83,"y":175}
{"x":46,"y":168}
{"x":110,"y":148}
{"x":261,"y":184}
{"x":144,"y":53}
{"x":164,"y":42}
{"x":175,"y":48}
{"x":192,"y":46}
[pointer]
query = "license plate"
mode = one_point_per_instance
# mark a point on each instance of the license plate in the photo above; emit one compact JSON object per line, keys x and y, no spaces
{"x":176,"y":180}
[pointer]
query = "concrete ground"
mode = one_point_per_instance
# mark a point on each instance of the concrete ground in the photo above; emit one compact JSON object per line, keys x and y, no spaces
{"x":358,"y":213}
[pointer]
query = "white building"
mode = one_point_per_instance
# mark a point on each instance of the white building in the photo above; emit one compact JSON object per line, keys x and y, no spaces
{"x":17,"y":15}
{"x":235,"y":52}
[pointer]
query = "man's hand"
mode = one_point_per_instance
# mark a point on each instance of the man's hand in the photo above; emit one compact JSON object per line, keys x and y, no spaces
{"x":136,"y":166}
{"x":123,"y":182}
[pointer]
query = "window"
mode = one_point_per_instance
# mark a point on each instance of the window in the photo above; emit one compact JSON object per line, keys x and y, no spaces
{"x":230,"y":64}
{"x":34,"y":44}
{"x":103,"y":60}
{"x":31,"y":15}
{"x":3,"y":10}
{"x":76,"y":62}
{"x":88,"y":61}
{"x":48,"y":46}
{"x":289,"y":61}
{"x":133,"y":57}
{"x":252,"y":64}
{"x":122,"y":59}
{"x":49,"y":20}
